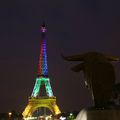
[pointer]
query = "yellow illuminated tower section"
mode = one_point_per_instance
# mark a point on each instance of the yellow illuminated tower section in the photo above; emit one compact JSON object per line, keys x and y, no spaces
{"x":37,"y":101}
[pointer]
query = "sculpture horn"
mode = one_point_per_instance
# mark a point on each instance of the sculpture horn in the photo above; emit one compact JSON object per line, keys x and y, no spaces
{"x":74,"y":58}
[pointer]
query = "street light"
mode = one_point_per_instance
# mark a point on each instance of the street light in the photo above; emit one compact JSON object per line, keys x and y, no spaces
{"x":9,"y":114}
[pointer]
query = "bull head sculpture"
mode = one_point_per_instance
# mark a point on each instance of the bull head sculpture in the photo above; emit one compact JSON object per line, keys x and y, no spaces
{"x":99,"y":74}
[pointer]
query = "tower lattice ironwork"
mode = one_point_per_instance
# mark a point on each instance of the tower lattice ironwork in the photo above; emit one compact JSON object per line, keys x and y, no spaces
{"x":36,"y":100}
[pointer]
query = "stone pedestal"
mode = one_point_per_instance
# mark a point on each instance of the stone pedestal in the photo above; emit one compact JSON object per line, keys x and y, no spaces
{"x":97,"y":114}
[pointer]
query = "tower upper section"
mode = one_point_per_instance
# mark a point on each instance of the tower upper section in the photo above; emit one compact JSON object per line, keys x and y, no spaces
{"x":42,"y":78}
{"x":42,"y":66}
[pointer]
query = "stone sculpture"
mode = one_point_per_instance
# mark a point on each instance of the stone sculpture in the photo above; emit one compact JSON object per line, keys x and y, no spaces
{"x":99,"y":75}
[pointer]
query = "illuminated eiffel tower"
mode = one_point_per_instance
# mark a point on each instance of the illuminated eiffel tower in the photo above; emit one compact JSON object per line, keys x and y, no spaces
{"x":37,"y":101}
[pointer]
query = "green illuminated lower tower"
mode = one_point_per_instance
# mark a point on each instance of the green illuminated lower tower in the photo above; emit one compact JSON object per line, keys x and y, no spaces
{"x":37,"y":101}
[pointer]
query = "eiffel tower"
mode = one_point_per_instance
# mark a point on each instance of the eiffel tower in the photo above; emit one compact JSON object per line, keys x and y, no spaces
{"x":37,"y":101}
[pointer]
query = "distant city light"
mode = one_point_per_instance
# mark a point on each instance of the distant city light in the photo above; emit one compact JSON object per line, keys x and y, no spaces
{"x":62,"y":118}
{"x":30,"y":118}
{"x":9,"y":113}
{"x":71,"y":114}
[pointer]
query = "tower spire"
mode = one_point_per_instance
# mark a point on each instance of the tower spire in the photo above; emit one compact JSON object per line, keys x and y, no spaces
{"x":42,"y":66}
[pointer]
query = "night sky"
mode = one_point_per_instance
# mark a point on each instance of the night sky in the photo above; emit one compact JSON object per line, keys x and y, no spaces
{"x":73,"y":27}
